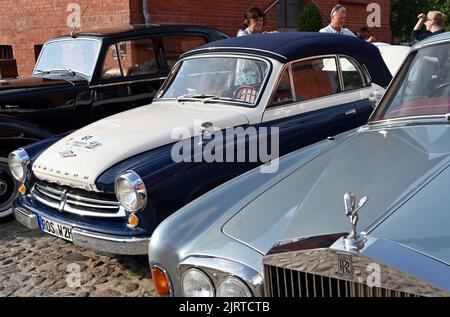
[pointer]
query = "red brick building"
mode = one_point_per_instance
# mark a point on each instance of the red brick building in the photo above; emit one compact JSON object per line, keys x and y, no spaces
{"x":25,"y":25}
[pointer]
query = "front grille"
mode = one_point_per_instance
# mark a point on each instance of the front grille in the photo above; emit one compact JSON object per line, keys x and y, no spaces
{"x":281,"y":282}
{"x":79,"y":202}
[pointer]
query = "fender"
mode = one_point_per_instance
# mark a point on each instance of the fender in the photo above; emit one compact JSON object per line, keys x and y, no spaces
{"x":11,"y":125}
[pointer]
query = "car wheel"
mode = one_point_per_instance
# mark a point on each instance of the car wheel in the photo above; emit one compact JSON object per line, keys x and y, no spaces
{"x":8,"y":189}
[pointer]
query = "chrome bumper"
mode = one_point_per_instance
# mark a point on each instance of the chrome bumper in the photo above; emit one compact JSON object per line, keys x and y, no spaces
{"x":91,"y":240}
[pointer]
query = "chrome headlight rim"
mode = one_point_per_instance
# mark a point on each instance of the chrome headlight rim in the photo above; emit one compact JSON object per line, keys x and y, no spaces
{"x":22,"y":160}
{"x":138,"y":186}
{"x":237,"y":281}
{"x":203,"y":274}
{"x":218,"y":268}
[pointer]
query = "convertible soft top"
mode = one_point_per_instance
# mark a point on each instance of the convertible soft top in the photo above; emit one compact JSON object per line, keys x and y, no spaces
{"x":288,"y":46}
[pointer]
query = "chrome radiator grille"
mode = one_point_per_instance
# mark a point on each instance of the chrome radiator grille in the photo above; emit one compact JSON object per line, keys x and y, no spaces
{"x":79,"y":202}
{"x":281,"y":282}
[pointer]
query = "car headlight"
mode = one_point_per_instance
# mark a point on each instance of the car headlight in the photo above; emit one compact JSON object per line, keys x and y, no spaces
{"x":131,"y":192}
{"x":18,"y":164}
{"x":195,"y":283}
{"x":233,"y":287}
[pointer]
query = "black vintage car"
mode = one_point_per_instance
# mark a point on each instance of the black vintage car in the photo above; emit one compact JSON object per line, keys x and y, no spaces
{"x":83,"y":77}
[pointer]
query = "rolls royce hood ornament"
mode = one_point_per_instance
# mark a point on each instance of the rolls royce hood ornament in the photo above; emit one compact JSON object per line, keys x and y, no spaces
{"x":354,"y":241}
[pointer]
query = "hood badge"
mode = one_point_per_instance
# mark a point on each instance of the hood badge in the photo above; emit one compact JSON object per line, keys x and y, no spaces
{"x":354,"y":241}
{"x":67,"y":153}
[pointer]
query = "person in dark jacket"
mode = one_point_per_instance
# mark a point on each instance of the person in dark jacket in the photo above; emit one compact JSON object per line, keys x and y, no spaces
{"x":434,"y":23}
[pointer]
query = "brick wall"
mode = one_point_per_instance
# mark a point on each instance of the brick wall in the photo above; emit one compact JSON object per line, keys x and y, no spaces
{"x":357,"y":15}
{"x":25,"y":23}
{"x":225,"y":15}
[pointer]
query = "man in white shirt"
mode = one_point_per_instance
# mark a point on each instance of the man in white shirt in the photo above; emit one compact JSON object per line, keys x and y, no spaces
{"x":338,"y":16}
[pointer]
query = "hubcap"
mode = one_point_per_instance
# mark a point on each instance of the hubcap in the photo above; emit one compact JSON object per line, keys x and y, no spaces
{"x":3,"y":187}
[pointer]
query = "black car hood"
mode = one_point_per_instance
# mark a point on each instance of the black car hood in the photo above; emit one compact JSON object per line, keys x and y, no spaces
{"x":19,"y":92}
{"x":40,"y":82}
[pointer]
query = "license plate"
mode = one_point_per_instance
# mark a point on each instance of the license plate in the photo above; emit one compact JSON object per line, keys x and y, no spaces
{"x":56,"y":229}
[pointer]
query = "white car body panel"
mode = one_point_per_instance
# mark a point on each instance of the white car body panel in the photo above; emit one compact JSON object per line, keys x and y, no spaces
{"x":124,"y":135}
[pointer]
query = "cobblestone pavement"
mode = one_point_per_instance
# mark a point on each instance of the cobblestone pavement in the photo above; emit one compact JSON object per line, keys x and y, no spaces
{"x":37,"y":264}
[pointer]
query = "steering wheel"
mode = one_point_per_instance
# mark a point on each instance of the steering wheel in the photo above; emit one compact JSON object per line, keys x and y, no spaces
{"x":246,"y":93}
{"x":443,"y":90}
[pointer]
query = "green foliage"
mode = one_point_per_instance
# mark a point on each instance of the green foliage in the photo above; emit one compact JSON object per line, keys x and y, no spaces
{"x":404,"y":15}
{"x":309,"y":19}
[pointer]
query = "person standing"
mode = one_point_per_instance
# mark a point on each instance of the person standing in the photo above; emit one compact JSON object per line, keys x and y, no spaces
{"x":364,"y":34}
{"x":254,"y":21}
{"x":338,"y":17}
{"x":434,"y":23}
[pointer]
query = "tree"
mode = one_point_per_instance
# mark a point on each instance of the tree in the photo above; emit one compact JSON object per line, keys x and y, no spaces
{"x":309,"y":19}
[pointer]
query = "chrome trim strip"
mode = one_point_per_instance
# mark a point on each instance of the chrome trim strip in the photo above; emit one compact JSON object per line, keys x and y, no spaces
{"x":127,"y":82}
{"x":95,"y":241}
{"x":236,"y":50}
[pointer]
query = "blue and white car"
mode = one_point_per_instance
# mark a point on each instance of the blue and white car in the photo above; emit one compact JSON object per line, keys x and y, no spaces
{"x":108,"y":185}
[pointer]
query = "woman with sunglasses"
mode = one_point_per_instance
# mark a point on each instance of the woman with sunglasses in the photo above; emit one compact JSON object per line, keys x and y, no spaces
{"x":434,"y":23}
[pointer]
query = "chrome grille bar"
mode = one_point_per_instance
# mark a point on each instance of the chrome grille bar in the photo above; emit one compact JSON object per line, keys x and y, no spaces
{"x":65,"y":201}
{"x":282,"y":282}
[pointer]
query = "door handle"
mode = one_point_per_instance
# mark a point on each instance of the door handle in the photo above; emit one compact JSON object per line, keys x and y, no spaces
{"x":351,"y":111}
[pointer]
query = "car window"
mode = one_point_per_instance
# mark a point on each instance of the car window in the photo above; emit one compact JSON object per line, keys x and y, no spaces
{"x":174,"y":46}
{"x":79,"y":55}
{"x":224,"y":78}
{"x":351,"y":74}
{"x":130,"y":58}
{"x":315,"y":78}
{"x":283,"y":93}
{"x":423,"y":88}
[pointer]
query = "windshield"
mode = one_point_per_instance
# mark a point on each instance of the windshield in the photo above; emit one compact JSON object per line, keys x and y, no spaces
{"x":424,"y":88}
{"x":78,"y":55}
{"x":233,"y":79}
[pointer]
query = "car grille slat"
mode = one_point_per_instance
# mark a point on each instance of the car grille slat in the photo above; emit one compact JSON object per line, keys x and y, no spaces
{"x":77,"y":202}
{"x":282,"y":282}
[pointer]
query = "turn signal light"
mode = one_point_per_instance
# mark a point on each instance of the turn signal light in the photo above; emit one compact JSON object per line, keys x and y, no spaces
{"x":160,"y":281}
{"x":133,"y":221}
{"x":22,"y":189}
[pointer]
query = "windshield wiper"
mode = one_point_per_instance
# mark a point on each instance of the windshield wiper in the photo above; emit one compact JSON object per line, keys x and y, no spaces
{"x":70,"y":71}
{"x":42,"y":71}
{"x":198,"y":97}
{"x":217,"y":98}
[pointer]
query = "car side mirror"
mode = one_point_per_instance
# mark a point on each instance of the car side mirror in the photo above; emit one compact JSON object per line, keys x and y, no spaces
{"x":375,"y":97}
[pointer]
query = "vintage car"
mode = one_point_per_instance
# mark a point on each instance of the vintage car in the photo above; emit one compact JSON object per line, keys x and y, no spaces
{"x":397,"y":164}
{"x":108,"y":185}
{"x":84,"y":77}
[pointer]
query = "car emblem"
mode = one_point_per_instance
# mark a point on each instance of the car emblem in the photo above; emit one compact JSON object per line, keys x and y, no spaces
{"x":67,"y":153}
{"x":354,"y":241}
{"x":345,"y":266}
{"x":63,"y":200}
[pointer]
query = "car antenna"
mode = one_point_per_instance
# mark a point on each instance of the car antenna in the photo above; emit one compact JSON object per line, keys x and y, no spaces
{"x":271,"y":6}
{"x":74,"y":28}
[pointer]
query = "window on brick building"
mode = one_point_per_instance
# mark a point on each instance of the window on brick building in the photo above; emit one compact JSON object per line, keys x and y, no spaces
{"x":6,"y":52}
{"x":287,"y":12}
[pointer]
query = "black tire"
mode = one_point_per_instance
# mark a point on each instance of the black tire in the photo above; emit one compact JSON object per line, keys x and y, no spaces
{"x":8,"y":187}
